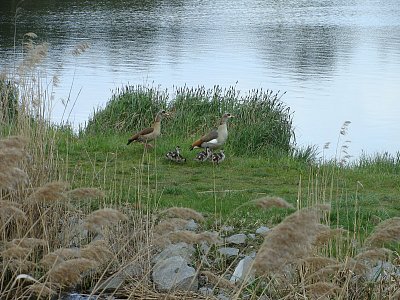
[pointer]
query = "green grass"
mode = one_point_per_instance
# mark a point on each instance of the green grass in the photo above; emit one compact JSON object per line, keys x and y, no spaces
{"x":224,"y":191}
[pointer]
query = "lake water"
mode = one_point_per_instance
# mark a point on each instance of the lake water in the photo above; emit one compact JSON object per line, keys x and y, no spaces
{"x":336,"y":60}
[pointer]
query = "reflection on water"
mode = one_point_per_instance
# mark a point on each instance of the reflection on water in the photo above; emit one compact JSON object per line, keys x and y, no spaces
{"x":337,"y":60}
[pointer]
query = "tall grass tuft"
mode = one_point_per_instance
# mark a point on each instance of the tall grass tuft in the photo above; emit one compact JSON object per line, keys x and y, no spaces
{"x":263,"y":123}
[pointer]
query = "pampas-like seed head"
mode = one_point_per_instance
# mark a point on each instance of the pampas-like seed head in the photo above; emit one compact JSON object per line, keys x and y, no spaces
{"x":50,"y":192}
{"x":42,"y":290}
{"x":68,"y":273}
{"x":386,"y":231}
{"x":98,"y":251}
{"x":184,"y":213}
{"x":60,"y":255}
{"x":268,"y":202}
{"x":170,"y":225}
{"x":11,"y":209}
{"x":103,"y":217}
{"x":85,"y":193}
{"x":17,"y":142}
{"x":29,"y":242}
{"x":218,"y":281}
{"x":190,"y":237}
{"x":15,"y":251}
{"x":321,"y":289}
{"x":288,"y":242}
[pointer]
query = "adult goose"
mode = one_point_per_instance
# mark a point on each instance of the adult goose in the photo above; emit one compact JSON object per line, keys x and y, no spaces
{"x":216,"y":137}
{"x":151,"y":133}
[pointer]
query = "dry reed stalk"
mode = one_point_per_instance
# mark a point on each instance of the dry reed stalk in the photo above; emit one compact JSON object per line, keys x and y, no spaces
{"x":184,"y":213}
{"x":170,"y":225}
{"x":288,"y":242}
{"x":103,"y":217}
{"x":69,"y":273}
{"x":268,"y":202}
{"x":218,"y":281}
{"x":85,"y":193}
{"x":386,"y":231}
{"x":194,"y":238}
{"x":50,"y":192}
{"x":98,"y":251}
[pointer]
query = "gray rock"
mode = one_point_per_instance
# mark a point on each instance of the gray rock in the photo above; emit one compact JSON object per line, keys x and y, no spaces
{"x":181,"y":249}
{"x":228,"y":251}
{"x":222,"y":296}
{"x":174,"y":274}
{"x":206,"y":291}
{"x":251,"y":236}
{"x":226,"y":228}
{"x":191,"y":225}
{"x":243,"y":270}
{"x":237,"y":239}
{"x":262,"y":230}
{"x":117,"y":280}
{"x":383,"y":271}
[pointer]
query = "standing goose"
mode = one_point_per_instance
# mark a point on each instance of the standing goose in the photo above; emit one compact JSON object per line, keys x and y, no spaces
{"x":216,"y":138}
{"x":218,"y":157}
{"x":148,"y":134}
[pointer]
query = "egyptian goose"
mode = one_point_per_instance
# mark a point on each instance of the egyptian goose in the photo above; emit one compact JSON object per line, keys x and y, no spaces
{"x":204,"y":155}
{"x":218,"y":157}
{"x":175,"y":155}
{"x":216,"y":138}
{"x":148,"y":134}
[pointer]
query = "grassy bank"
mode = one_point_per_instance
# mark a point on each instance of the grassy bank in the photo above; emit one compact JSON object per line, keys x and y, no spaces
{"x":76,"y":209}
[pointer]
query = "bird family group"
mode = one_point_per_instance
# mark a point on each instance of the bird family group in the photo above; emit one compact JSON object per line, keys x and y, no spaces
{"x":215,"y":139}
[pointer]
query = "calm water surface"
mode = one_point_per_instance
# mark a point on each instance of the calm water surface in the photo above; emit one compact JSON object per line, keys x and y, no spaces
{"x":336,"y":60}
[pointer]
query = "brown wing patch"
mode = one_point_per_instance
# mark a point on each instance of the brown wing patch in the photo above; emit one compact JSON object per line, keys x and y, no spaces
{"x":140,"y":133}
{"x":205,"y":138}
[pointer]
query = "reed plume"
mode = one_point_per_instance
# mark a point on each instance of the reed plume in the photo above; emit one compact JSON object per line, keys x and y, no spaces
{"x":103,"y":217}
{"x":384,"y":232}
{"x":322,"y":290}
{"x":288,"y":242}
{"x":194,"y":238}
{"x":268,"y":202}
{"x":85,"y":193}
{"x":218,"y":281}
{"x":42,"y":290}
{"x":184,"y":213}
{"x":69,"y":273}
{"x":58,"y":256}
{"x":10,"y":209}
{"x":170,"y":225}
{"x":98,"y":251}
{"x":50,"y":192}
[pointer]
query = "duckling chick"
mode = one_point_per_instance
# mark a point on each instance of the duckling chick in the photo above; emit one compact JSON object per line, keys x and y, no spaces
{"x":218,"y":157}
{"x":175,"y":155}
{"x":204,"y":155}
